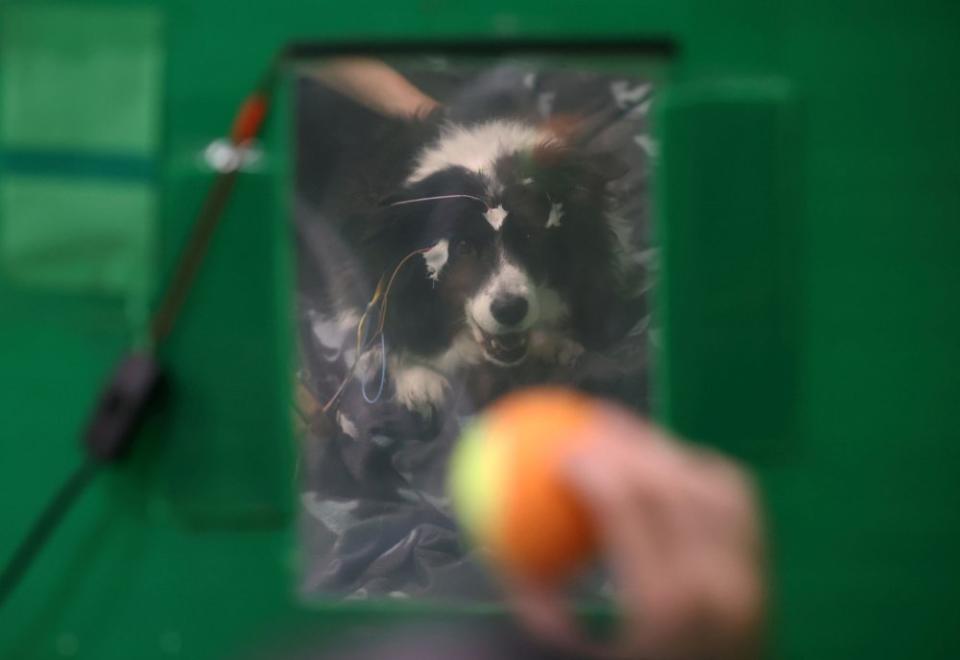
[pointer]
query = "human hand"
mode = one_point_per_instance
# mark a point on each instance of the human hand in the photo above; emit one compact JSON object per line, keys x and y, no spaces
{"x":680,"y":532}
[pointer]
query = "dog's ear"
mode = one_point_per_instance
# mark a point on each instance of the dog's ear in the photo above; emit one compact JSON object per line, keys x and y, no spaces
{"x":386,"y":234}
{"x":594,"y":170}
{"x":606,"y":167}
{"x":386,"y":226}
{"x":566,"y":167}
{"x":575,"y":133}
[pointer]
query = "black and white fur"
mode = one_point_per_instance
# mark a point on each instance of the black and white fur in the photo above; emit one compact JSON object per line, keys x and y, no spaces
{"x":519,"y":264}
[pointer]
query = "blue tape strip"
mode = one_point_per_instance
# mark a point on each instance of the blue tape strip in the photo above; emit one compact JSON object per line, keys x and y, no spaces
{"x":78,"y":164}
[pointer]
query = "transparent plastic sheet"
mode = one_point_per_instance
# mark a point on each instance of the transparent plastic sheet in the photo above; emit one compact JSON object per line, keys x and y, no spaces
{"x":572,"y":218}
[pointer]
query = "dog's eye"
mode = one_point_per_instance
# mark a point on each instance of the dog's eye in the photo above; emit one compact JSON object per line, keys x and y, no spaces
{"x":465,"y":248}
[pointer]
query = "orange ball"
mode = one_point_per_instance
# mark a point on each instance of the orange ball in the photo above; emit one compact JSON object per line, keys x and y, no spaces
{"x":508,"y":488}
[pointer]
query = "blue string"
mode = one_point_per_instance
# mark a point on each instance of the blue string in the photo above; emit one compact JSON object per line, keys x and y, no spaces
{"x":383,"y":373}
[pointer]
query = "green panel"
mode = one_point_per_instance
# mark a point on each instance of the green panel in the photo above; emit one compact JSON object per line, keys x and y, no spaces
{"x":77,"y":235}
{"x":80,"y":111}
{"x":227,"y":444}
{"x":866,"y":518}
{"x":728,"y":191}
{"x":80,"y":77}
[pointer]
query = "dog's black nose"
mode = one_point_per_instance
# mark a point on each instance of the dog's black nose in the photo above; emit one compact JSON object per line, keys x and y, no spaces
{"x":509,"y":310}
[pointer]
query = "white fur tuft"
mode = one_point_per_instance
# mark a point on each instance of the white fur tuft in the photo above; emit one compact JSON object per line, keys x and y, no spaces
{"x":556,"y":215}
{"x":476,"y":148}
{"x":496,"y":216}
{"x":436,"y":258}
{"x":347,"y":425}
{"x":625,"y":95}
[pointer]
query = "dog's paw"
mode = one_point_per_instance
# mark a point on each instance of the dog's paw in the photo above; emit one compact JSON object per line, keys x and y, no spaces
{"x":555,"y":349}
{"x":568,"y":352}
{"x":420,"y":389}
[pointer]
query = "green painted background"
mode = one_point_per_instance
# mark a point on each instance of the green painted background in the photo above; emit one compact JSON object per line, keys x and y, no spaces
{"x":809,"y":201}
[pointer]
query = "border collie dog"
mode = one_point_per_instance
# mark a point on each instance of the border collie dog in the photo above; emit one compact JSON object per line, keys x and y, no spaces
{"x":516,"y":257}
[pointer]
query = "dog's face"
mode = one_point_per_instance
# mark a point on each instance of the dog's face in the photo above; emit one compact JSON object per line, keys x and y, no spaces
{"x":512,"y":233}
{"x":491,"y":259}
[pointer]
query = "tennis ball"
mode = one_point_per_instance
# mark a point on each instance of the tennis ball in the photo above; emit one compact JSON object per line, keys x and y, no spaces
{"x":508,"y":489}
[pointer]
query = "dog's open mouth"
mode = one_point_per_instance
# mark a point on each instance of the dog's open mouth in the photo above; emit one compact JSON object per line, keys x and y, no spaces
{"x":506,"y":349}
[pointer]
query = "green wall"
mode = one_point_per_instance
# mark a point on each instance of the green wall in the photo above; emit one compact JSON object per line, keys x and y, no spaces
{"x":810,"y":304}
